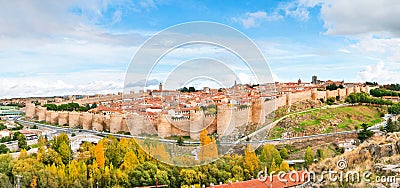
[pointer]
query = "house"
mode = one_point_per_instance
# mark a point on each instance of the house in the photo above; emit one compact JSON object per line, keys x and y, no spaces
{"x":348,"y":144}
{"x":392,"y":98}
{"x":5,"y":133}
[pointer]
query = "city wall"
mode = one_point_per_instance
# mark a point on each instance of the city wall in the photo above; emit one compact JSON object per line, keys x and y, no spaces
{"x":224,"y":123}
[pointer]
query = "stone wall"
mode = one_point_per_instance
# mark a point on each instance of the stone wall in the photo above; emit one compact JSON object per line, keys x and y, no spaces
{"x":224,"y":123}
{"x":116,"y":123}
{"x":48,"y":117}
{"x":98,"y":123}
{"x":63,"y":118}
{"x":256,"y":110}
{"x":242,"y":116}
{"x":164,"y":127}
{"x":138,"y":124}
{"x":41,"y":113}
{"x":73,"y":119}
{"x":53,"y":118}
{"x":332,"y":93}
{"x":342,"y":93}
{"x":30,"y":110}
{"x":300,"y":96}
{"x":280,"y":101}
{"x":321,"y":95}
{"x":86,"y":120}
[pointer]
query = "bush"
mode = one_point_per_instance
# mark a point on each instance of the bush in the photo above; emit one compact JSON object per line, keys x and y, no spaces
{"x":330,"y":100}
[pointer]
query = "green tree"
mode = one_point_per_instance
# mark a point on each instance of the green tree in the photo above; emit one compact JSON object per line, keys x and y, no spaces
{"x":4,"y":181}
{"x":192,"y":89}
{"x":5,"y":164}
{"x":189,"y":177}
{"x":180,"y":141}
{"x":2,"y":127}
{"x":27,"y":168}
{"x":65,"y":152}
{"x":52,"y":158}
{"x":4,"y":149}
{"x":184,"y":89}
{"x":364,"y":134}
{"x":22,"y":144}
{"x":284,"y":153}
{"x":48,"y":177}
{"x":320,"y":154}
{"x":15,"y":135}
{"x":391,"y":126}
{"x":268,"y":154}
{"x":308,"y":156}
{"x":332,"y":87}
{"x":237,"y":173}
{"x":62,"y":138}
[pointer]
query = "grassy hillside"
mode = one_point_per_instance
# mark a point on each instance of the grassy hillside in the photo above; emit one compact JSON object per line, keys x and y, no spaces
{"x":326,"y":121}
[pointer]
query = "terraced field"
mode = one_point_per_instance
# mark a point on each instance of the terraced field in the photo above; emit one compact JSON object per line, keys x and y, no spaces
{"x":326,"y":121}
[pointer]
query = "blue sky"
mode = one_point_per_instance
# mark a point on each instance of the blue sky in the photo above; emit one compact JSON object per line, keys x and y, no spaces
{"x":56,"y":48}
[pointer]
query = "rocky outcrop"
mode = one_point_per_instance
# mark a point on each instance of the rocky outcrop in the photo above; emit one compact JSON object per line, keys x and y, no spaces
{"x":392,"y":147}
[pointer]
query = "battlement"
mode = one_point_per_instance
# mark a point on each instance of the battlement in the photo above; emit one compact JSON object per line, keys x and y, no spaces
{"x":241,"y":109}
{"x":210,"y":115}
{"x":224,"y":122}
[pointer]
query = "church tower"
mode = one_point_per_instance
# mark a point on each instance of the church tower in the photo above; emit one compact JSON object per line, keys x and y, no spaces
{"x":160,"y":87}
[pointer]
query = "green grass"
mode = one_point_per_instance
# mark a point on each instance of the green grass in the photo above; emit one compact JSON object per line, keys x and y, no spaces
{"x":320,"y":121}
{"x":328,"y":130}
{"x":277,"y":132}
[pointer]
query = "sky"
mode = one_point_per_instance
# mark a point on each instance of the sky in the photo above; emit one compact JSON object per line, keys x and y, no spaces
{"x":52,"y":48}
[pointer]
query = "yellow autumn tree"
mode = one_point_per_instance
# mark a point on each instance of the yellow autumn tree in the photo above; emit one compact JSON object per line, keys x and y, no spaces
{"x":284,"y":167}
{"x":22,"y":154}
{"x":61,"y":173}
{"x":159,"y":152}
{"x":251,"y":162}
{"x":204,"y":138}
{"x":41,"y":149}
{"x":208,"y":147}
{"x":273,"y":168}
{"x":94,"y":172}
{"x":99,"y":154}
{"x":130,"y":161}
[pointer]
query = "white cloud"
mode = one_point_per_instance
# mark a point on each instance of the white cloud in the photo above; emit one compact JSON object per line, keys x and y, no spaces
{"x":69,"y":83}
{"x":298,"y":9}
{"x":64,"y":49}
{"x":360,"y":17}
{"x":346,"y":51}
{"x":253,"y":19}
{"x":379,"y":73}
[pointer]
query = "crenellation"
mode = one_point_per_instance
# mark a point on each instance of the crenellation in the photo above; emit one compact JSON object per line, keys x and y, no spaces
{"x":224,"y":122}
